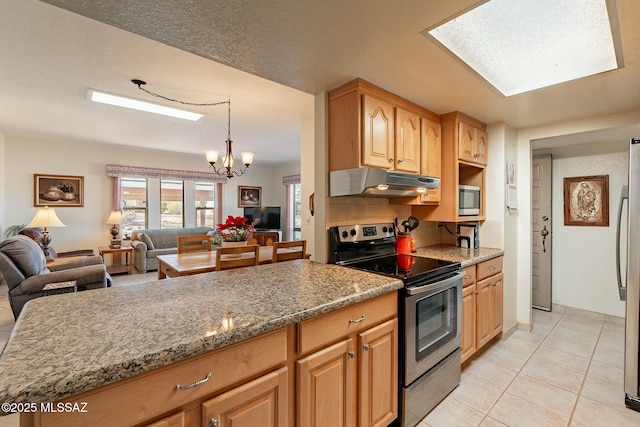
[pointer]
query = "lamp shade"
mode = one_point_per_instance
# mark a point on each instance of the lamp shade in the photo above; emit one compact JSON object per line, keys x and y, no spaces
{"x":45,"y":217}
{"x":115,"y":217}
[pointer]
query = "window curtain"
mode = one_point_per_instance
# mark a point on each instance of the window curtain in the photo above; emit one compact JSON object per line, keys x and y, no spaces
{"x":179,"y":175}
{"x":289,"y":181}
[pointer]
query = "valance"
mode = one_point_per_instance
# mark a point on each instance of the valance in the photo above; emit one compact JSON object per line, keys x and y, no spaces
{"x":291,"y":179}
{"x":144,"y":172}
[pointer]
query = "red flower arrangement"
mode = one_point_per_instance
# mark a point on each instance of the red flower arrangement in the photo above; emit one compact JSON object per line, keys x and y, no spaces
{"x":236,"y":229}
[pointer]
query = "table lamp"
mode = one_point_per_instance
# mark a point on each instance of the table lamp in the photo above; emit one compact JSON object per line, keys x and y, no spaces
{"x":115,"y":219}
{"x":45,"y":217}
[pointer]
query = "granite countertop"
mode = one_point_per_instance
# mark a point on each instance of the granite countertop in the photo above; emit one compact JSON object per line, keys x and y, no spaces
{"x":67,"y":344}
{"x":464,"y":256}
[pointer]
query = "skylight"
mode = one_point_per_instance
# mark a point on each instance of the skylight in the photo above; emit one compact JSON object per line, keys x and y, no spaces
{"x":523,"y":45}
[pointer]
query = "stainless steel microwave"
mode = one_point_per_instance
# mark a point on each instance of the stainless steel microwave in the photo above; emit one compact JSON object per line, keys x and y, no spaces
{"x":468,"y":200}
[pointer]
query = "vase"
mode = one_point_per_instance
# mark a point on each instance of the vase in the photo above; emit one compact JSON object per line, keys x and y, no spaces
{"x":234,"y":245}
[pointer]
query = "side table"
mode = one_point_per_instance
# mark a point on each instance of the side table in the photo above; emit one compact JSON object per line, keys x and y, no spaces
{"x":117,"y":266}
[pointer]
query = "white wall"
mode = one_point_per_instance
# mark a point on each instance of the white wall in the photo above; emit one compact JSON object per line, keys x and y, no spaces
{"x":85,"y":226}
{"x":525,"y":138}
{"x":583,"y":258}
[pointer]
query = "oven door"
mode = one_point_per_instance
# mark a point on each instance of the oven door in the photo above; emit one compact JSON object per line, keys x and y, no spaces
{"x":432,"y":316}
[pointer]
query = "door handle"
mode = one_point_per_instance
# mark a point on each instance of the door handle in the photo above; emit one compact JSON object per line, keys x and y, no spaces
{"x":544,"y":232}
{"x":622,"y":290}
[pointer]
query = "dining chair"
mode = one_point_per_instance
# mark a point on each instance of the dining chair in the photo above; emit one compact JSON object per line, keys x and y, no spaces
{"x":290,"y":253}
{"x":194,"y":243}
{"x":232,"y":257}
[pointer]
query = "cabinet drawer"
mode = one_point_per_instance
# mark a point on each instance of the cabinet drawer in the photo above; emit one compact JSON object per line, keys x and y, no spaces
{"x":149,"y":395}
{"x":324,"y":330}
{"x":469,"y":277}
{"x":489,"y":268}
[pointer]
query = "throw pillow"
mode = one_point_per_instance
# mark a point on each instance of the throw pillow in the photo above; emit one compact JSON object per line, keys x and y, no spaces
{"x":25,"y":254}
{"x":146,"y":240}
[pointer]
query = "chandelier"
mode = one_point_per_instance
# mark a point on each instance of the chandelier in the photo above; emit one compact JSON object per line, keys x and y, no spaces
{"x":229,"y":165}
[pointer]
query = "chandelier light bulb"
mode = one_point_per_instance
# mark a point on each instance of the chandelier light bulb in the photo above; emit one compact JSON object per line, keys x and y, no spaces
{"x":247,"y":157}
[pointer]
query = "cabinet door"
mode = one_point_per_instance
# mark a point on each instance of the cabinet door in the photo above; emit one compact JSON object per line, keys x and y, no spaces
{"x":481,"y":146}
{"x":431,"y":154}
{"x":497,"y":288}
{"x":326,"y":387}
{"x":407,"y":141}
{"x":181,"y":419}
{"x":259,"y":403}
{"x":377,"y":133}
{"x":378,"y":375}
{"x":468,"y":321}
{"x":466,"y":142}
{"x":484,"y":318}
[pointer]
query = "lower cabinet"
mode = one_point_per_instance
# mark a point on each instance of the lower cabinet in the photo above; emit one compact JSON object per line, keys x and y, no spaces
{"x":481,"y":305}
{"x":346,"y":374}
{"x":352,"y":382}
{"x":260,"y":403}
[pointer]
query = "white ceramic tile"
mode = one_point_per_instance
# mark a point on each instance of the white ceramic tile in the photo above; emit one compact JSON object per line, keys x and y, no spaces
{"x":490,"y":422}
{"x":514,"y":411}
{"x":609,"y":357}
{"x":543,"y":394}
{"x":607,"y":373}
{"x":613,"y":345}
{"x":516,"y":346}
{"x":596,"y":414}
{"x":616,"y":320}
{"x":494,"y":375}
{"x":452,"y":413}
{"x":530,"y":337}
{"x":554,"y":375}
{"x":500,"y":356}
{"x":584,"y":313}
{"x":562,"y":359}
{"x":581,"y":324}
{"x":476,"y":393}
{"x":571,"y":341}
{"x":603,"y":392}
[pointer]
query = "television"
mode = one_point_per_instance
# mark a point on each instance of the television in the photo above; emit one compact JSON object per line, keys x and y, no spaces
{"x":269,"y":217}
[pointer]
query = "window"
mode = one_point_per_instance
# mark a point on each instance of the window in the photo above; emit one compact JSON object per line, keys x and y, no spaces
{"x":171,"y":204}
{"x":205,"y":204}
{"x":297,"y":211}
{"x":133,"y":193}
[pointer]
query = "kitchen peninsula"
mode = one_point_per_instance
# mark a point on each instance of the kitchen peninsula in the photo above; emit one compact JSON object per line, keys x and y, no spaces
{"x":269,"y":320}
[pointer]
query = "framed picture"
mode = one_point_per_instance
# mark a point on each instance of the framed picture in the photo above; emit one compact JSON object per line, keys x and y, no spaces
{"x":58,"y":190}
{"x":249,"y":196}
{"x":586,"y":200}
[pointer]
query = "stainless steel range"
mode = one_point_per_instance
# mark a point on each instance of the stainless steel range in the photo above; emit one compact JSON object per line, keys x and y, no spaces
{"x":429,"y":307}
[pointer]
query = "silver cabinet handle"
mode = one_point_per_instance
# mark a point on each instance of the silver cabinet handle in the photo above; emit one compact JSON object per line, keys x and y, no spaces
{"x":366,"y":347}
{"x":467,"y":277}
{"x":400,"y":161}
{"x":361,"y":319}
{"x":391,"y":159}
{"x":196,"y":384}
{"x":213,"y":422}
{"x":491,"y":267}
{"x":352,"y":354}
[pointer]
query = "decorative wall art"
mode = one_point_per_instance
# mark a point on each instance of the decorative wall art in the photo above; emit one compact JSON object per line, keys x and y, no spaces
{"x":586,"y":200}
{"x":58,"y":191}
{"x":249,"y":196}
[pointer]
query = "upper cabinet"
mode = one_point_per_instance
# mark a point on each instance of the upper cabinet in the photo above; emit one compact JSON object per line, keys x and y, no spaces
{"x":472,"y":144}
{"x":463,"y":144}
{"x":370,"y":127}
{"x":431,"y":156}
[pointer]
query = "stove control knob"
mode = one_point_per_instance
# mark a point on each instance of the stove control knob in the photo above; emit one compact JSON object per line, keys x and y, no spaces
{"x":345,"y":234}
{"x":384,"y":229}
{"x":353,"y":231}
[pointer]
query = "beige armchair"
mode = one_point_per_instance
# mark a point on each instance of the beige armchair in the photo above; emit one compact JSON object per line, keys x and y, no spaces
{"x":24,"y":269}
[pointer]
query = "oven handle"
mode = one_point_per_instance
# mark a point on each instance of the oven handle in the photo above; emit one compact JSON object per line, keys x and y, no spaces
{"x":435,"y":285}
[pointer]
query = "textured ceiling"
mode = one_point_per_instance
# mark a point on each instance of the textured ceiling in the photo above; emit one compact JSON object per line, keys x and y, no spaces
{"x":299,"y":46}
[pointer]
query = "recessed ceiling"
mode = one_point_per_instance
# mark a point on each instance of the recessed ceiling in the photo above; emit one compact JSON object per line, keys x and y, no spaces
{"x":269,"y":57}
{"x":519,"y":46}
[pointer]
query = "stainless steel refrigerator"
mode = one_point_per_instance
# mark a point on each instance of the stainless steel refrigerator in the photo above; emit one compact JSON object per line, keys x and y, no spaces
{"x":629,"y":286}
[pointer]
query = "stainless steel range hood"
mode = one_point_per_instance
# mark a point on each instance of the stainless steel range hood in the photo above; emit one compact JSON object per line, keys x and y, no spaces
{"x":378,"y":183}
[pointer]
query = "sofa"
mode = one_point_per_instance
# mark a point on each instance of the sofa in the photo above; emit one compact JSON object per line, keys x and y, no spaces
{"x":25,"y":271}
{"x":149,"y":243}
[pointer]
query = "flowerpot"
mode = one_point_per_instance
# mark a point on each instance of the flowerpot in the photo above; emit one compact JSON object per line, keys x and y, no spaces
{"x":234,"y":245}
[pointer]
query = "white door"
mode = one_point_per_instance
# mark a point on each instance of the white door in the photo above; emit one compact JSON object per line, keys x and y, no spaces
{"x":541,"y":229}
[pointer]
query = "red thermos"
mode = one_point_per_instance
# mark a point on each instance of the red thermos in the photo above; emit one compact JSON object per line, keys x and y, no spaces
{"x":403,"y":243}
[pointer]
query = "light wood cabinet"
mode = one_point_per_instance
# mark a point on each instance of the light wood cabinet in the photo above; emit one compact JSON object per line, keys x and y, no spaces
{"x":482,"y":305}
{"x":407,"y":141}
{"x":266,"y":238}
{"x":431,"y":157}
{"x":353,"y":381}
{"x":463,"y":160}
{"x":181,"y":419}
{"x":262,"y":402}
{"x":371,"y":127}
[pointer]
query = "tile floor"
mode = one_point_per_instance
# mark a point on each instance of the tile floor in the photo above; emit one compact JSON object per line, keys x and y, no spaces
{"x":567,"y":372}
